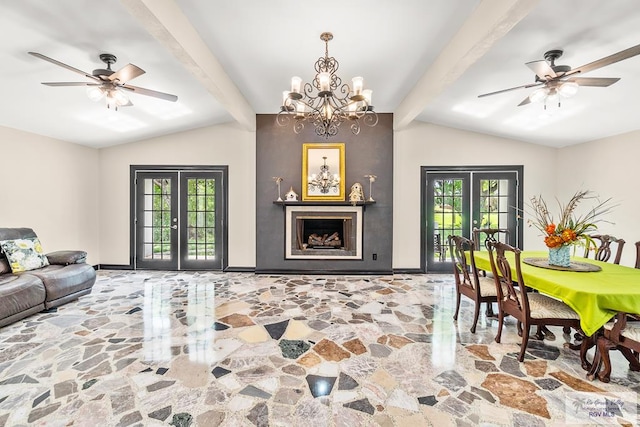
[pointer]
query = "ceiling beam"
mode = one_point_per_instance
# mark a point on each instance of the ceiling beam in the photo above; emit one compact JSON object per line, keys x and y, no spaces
{"x":164,"y":20}
{"x":487,"y":24}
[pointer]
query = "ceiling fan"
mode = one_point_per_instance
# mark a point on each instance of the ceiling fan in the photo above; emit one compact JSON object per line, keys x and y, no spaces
{"x":108,"y":83}
{"x":561,"y":80}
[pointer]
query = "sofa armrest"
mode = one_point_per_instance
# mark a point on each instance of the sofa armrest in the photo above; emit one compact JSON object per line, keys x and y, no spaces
{"x":67,"y":257}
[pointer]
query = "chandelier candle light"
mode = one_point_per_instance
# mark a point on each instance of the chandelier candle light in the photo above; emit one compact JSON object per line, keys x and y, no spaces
{"x":570,"y":228}
{"x":325,"y":102}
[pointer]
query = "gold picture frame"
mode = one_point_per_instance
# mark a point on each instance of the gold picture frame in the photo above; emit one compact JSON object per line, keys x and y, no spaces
{"x":319,"y":159}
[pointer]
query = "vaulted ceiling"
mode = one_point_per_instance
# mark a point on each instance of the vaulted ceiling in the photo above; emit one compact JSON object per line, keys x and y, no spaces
{"x":229,"y":60}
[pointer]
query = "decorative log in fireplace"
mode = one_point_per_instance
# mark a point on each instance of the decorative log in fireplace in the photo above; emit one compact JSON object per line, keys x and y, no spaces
{"x":325,"y":240}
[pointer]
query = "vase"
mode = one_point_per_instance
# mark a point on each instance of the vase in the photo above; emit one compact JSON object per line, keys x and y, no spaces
{"x":560,"y":256}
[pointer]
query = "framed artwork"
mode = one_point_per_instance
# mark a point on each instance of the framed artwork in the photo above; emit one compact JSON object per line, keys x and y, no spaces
{"x":323,"y":172}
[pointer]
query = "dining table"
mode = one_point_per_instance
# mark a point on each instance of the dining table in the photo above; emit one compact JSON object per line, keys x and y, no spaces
{"x":596,"y":290}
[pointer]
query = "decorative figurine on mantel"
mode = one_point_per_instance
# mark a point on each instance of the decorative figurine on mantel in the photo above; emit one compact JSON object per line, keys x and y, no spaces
{"x":291,"y":196}
{"x":356,"y":194}
{"x":278,"y":180}
{"x":372,"y":179}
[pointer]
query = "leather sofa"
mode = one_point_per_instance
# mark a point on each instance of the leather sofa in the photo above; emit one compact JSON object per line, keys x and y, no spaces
{"x":66,"y":278}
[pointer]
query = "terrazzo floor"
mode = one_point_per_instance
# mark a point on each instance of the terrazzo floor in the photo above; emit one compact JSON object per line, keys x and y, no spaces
{"x":238,"y":349}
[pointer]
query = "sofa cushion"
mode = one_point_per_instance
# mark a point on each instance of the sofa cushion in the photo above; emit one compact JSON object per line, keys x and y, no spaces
{"x":67,"y":257}
{"x":19,"y":293}
{"x":24,"y":254}
{"x":62,"y":280}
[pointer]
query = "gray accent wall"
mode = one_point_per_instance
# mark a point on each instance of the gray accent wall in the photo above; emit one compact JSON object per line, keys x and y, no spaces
{"x":279,"y":153}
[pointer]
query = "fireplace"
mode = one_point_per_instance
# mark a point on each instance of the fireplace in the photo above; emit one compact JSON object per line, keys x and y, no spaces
{"x":323,"y":232}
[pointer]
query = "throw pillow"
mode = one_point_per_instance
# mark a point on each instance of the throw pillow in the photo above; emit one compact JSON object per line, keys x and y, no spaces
{"x":24,"y":254}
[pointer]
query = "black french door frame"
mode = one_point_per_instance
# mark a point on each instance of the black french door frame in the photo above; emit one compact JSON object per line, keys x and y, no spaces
{"x":221,"y":197}
{"x":426,"y":217}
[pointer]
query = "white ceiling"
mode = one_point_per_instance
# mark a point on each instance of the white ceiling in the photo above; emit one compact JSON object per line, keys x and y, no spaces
{"x":228,"y":60}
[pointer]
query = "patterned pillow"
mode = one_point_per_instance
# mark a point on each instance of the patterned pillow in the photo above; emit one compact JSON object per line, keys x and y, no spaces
{"x":24,"y":254}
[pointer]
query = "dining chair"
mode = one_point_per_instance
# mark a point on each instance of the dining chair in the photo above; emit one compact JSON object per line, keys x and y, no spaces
{"x":616,"y":335}
{"x":468,"y":282}
{"x":603,"y":250}
{"x":528,"y":308}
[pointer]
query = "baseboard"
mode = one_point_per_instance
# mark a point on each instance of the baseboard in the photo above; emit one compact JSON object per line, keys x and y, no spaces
{"x":239,"y":270}
{"x":114,"y":267}
{"x":328,"y":272}
{"x":408,"y":271}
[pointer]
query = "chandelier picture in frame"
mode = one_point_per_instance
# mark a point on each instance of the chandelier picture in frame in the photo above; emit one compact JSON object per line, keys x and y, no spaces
{"x":323,"y":172}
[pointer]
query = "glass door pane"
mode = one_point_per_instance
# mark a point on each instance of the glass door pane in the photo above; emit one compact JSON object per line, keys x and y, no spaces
{"x":447,"y":207}
{"x":156,"y":220}
{"x":494,"y":203}
{"x":201,"y":228}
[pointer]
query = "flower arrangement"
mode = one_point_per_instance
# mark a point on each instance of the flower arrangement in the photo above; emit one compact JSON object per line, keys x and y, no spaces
{"x":569,"y":228}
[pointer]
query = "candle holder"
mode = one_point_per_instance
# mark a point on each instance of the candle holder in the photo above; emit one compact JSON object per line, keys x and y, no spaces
{"x":278,"y":180}
{"x":372,"y":178}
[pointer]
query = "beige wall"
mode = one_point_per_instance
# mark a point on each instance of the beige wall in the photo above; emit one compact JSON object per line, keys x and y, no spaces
{"x":52,"y":187}
{"x":423,"y":144}
{"x":608,"y":167}
{"x":76,"y":197}
{"x":216,"y":145}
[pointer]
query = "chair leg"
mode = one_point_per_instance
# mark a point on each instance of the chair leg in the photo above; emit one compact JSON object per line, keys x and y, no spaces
{"x":594,"y":368}
{"x":525,"y":341}
{"x":476,"y":314}
{"x":455,"y":315}
{"x":604,"y":345}
{"x":539,"y":335}
{"x":634,"y":364}
{"x":500,"y":322}
{"x":586,"y":344}
{"x":519,"y":328}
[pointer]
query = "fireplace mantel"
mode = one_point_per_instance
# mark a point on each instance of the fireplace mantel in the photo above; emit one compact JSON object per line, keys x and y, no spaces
{"x":299,"y":203}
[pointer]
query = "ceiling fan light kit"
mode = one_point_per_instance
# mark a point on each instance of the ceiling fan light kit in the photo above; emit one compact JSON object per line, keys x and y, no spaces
{"x":554,"y":82}
{"x":325,"y":102}
{"x":106,"y":83}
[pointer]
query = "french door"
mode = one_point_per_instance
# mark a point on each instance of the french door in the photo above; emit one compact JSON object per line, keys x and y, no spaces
{"x":456,"y":201}
{"x":179,"y":219}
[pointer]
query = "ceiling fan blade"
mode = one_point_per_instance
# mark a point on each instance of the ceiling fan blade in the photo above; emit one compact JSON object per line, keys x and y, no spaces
{"x":71,"y":84}
{"x":607,"y":60}
{"x":510,"y":89}
{"x":149,"y":92}
{"x":594,"y":81}
{"x":60,"y":64}
{"x":126,"y":73}
{"x":542,"y":69}
{"x":525,"y":101}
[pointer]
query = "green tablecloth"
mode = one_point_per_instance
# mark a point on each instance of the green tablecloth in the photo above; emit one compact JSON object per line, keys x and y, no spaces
{"x":595,"y":296}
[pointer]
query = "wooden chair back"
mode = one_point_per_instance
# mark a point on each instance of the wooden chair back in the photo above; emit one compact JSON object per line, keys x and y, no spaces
{"x":465,"y":274}
{"x":486,"y":235}
{"x":512,"y":293}
{"x":603,"y":251}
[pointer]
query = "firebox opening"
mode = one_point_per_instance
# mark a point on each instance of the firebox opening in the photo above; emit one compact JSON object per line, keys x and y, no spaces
{"x":323,"y":233}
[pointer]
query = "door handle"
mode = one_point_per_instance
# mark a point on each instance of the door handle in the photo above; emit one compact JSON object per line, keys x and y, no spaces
{"x":175,"y":227}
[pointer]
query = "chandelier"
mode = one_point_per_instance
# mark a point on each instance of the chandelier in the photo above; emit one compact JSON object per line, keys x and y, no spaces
{"x":324,"y":181}
{"x":326,"y":102}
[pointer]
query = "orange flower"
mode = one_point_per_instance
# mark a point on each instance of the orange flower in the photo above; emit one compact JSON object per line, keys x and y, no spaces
{"x":551,"y":228}
{"x":568,"y":235}
{"x":553,"y":241}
